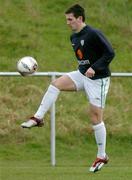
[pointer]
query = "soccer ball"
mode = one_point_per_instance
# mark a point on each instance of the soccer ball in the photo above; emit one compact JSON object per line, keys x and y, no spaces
{"x":27,"y":66}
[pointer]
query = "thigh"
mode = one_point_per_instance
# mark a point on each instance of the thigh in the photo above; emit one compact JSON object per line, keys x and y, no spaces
{"x":72,"y":81}
{"x":78,"y":79}
{"x":64,"y":83}
{"x":97,"y":90}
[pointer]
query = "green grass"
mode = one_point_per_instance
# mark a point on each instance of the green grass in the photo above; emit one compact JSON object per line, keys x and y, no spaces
{"x":38,"y":28}
{"x":40,"y":172}
{"x":32,"y":160}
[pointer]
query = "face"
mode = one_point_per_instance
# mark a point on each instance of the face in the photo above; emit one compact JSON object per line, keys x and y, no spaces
{"x":73,"y":23}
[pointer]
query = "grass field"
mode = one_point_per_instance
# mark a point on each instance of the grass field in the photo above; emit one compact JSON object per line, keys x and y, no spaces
{"x":43,"y":172}
{"x":38,"y":28}
{"x":31,"y":161}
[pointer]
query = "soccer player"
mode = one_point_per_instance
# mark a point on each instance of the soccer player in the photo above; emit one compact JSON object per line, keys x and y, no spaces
{"x":94,"y":54}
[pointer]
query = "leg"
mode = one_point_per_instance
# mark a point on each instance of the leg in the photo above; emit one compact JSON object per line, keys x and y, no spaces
{"x":96,"y":114}
{"x":64,"y":83}
{"x":96,"y":91}
{"x":51,"y":95}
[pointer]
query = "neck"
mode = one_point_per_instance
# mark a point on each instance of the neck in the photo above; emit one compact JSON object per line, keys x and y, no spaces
{"x":80,"y":27}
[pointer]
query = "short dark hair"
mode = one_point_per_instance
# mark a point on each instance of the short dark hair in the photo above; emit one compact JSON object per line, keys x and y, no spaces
{"x":77,"y":11}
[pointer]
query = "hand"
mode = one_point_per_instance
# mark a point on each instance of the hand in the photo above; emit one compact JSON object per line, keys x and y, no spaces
{"x":90,"y":73}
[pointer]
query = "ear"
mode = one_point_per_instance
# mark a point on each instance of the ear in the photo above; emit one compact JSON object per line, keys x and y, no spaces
{"x":80,"y":18}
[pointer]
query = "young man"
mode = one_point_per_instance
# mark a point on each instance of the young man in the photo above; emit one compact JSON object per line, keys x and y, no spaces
{"x":94,"y":54}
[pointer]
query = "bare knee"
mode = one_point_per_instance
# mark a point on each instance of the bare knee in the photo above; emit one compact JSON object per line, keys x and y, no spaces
{"x":53,"y":82}
{"x":96,"y":114}
{"x":58,"y":83}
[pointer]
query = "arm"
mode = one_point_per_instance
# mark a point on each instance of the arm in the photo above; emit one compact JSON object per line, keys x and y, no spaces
{"x":90,"y":72}
{"x":108,"y":52}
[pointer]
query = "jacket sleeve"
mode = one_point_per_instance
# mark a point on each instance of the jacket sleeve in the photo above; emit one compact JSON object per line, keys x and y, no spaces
{"x":107,"y":52}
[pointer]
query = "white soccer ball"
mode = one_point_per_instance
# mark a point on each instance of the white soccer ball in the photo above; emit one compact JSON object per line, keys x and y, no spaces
{"x":27,"y":66}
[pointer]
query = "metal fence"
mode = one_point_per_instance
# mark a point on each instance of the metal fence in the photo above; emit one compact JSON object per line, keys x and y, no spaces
{"x":53,"y":75}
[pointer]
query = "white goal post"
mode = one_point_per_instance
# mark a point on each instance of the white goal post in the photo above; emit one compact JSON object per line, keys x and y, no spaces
{"x":53,"y":76}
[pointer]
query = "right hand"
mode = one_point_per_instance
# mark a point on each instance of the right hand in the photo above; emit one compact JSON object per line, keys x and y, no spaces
{"x":90,"y":73}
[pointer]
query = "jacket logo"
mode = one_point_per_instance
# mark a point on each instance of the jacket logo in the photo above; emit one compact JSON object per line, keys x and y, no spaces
{"x":82,"y":42}
{"x":79,"y":54}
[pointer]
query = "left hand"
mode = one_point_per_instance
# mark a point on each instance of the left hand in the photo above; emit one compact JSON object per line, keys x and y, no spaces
{"x":90,"y":73}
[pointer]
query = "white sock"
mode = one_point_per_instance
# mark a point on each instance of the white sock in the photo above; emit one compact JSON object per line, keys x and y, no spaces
{"x":100,"y":136}
{"x":48,"y":99}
